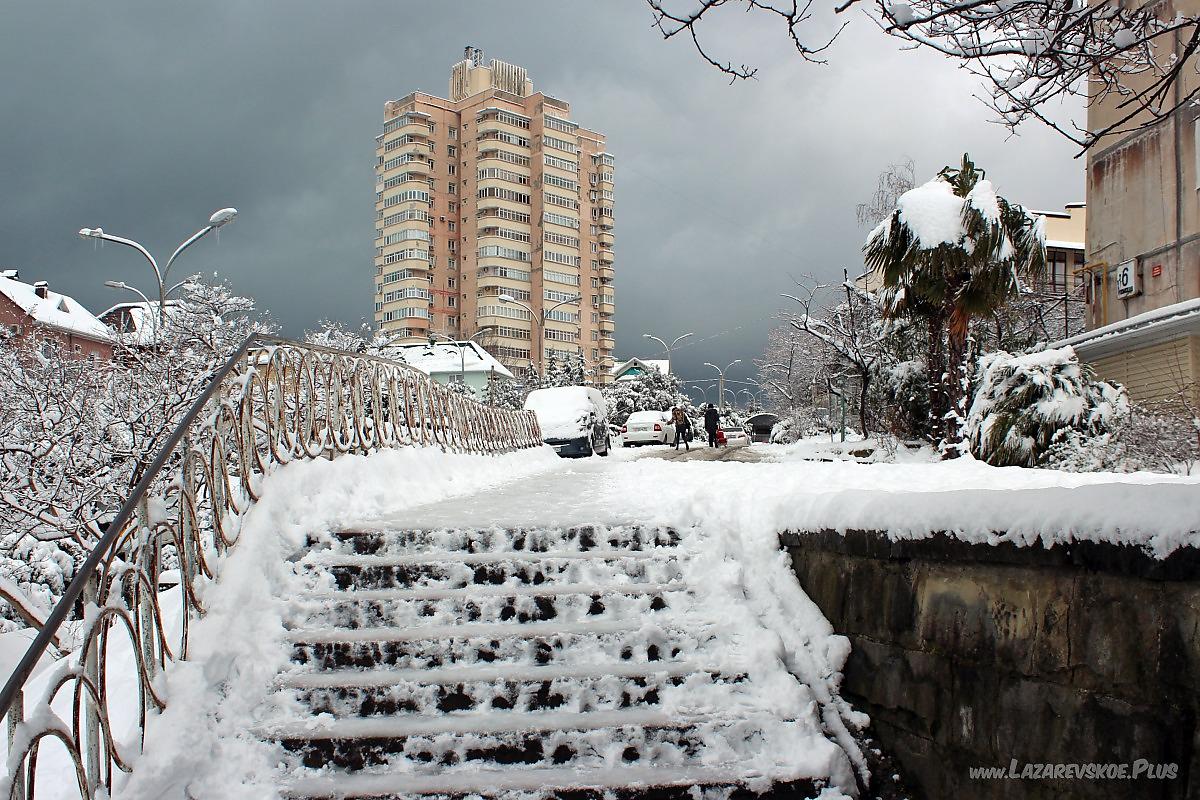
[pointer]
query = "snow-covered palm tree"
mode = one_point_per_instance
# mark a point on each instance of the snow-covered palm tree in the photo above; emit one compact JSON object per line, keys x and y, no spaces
{"x":953,"y":250}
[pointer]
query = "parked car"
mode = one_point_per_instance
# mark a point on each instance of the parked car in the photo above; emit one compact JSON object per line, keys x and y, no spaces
{"x":573,"y":419}
{"x":648,"y":427}
{"x":732,"y":437}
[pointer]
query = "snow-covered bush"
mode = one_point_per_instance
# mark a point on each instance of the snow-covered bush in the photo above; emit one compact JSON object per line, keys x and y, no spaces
{"x":904,"y":400}
{"x":1024,"y":405}
{"x":1163,"y":437}
{"x":76,"y":435}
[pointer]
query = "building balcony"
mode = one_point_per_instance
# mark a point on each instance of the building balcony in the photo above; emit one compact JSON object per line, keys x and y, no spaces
{"x":408,"y":263}
{"x":417,"y":325}
{"x":607,"y":326}
{"x":607,"y":275}
{"x":606,"y":257}
{"x":607,"y":304}
{"x":606,"y":239}
{"x":607,"y":343}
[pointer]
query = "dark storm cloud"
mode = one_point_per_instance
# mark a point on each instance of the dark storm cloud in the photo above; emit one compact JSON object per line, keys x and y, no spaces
{"x":143,"y":118}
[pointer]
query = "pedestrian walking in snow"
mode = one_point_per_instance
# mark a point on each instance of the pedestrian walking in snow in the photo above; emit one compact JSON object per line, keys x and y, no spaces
{"x":683,"y":428}
{"x":712,"y":419}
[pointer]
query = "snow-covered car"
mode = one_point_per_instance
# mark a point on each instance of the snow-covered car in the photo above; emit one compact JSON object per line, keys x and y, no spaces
{"x":732,"y":437}
{"x":573,"y":419}
{"x":647,"y":427}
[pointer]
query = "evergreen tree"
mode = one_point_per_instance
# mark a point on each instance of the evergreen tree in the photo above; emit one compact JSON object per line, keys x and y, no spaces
{"x":953,"y":250}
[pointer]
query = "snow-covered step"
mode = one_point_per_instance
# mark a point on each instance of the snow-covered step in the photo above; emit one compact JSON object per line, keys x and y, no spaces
{"x":581,"y":784}
{"x":402,"y":726}
{"x":580,"y":746}
{"x":581,"y":539}
{"x":563,"y":661}
{"x":494,"y":569}
{"x":578,"y":693}
{"x":484,"y":672}
{"x":556,"y":644}
{"x":413,"y":608}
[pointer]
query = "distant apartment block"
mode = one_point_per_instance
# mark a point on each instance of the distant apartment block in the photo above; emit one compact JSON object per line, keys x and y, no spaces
{"x":495,"y":192}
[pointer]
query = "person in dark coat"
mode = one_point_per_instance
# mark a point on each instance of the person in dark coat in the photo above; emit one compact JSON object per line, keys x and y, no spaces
{"x":712,"y":419}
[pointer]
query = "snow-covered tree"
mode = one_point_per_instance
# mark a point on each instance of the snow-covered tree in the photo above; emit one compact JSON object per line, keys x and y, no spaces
{"x":851,"y":333}
{"x":953,"y":251}
{"x":1026,"y":404}
{"x":651,"y":391}
{"x":77,"y":435}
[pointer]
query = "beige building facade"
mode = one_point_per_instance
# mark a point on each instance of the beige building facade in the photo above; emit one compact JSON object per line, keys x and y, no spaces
{"x":1143,"y":242}
{"x":494,"y":191}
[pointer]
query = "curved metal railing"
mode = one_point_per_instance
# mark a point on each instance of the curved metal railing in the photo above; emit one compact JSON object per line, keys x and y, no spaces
{"x":274,"y":401}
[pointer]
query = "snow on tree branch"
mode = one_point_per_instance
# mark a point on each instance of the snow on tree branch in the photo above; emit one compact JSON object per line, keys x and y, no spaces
{"x":1030,"y":54}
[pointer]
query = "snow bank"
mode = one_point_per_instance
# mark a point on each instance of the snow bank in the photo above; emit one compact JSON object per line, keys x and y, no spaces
{"x":964,"y":498}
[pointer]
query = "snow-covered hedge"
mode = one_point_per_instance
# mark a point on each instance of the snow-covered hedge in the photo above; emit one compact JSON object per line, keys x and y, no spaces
{"x":1026,"y":404}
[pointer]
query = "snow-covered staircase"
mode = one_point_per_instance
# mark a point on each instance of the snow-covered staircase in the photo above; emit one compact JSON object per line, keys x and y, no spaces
{"x":575,"y":662}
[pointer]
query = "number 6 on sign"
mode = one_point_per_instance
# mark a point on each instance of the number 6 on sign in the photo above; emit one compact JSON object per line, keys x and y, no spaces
{"x":1127,"y":279}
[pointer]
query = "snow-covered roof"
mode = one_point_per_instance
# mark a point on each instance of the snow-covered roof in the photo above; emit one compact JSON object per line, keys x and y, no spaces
{"x":1161,"y":324}
{"x":142,"y":317}
{"x":54,"y":310}
{"x":642,"y":364}
{"x":447,"y":357}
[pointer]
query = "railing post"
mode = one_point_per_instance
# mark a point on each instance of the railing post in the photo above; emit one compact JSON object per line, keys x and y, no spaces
{"x":149,"y":561}
{"x":16,"y":715}
{"x":91,"y":670}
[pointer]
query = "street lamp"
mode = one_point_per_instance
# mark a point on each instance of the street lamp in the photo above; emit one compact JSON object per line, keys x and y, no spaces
{"x":668,"y":347}
{"x":462,"y":351}
{"x":539,"y":321}
{"x":721,"y":384}
{"x":215,"y":222}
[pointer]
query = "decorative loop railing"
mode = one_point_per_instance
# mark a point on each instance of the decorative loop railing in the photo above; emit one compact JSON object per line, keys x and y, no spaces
{"x":274,"y":401}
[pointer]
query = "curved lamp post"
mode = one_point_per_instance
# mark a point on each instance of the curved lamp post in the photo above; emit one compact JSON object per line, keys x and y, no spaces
{"x":215,"y":222}
{"x":539,"y":320}
{"x":668,"y":347}
{"x":721,"y":383}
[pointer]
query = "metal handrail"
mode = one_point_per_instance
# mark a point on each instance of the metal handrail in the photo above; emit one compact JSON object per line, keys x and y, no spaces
{"x":264,"y":415}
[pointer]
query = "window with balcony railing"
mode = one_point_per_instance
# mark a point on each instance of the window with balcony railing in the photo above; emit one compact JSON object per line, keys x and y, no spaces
{"x":502,"y":272}
{"x":560,"y":219}
{"x":500,"y":193}
{"x":496,"y":291}
{"x":560,"y":277}
{"x":504,"y":233}
{"x":506,"y":310}
{"x":560,"y":163}
{"x":502,"y":213}
{"x":503,"y":136}
{"x":506,"y":156}
{"x":503,"y":175}
{"x":558,"y":296}
{"x":559,"y":144}
{"x":554,"y":335}
{"x":551,"y":179}
{"x":499,"y":251}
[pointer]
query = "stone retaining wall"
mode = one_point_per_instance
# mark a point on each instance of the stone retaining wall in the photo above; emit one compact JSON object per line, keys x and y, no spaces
{"x":971,"y":655}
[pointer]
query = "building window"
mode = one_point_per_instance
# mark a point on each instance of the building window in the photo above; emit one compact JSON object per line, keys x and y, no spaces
{"x":451,"y":150}
{"x":453,"y":225}
{"x":453,"y":169}
{"x":595,"y":283}
{"x":453,"y":187}
{"x":451,"y":301}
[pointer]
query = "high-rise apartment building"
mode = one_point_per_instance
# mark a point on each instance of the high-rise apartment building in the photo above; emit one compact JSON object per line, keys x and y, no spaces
{"x":495,"y":193}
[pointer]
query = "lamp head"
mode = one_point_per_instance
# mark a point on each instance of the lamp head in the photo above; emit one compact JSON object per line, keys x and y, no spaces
{"x":91,"y":233}
{"x":115,"y":284}
{"x":222,"y":217}
{"x":507,"y":298}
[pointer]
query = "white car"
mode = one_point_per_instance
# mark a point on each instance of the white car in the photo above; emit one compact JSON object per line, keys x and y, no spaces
{"x":733,"y":437}
{"x":648,"y":427}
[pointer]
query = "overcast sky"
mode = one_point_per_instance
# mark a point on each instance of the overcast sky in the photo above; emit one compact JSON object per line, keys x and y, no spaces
{"x":144,"y":117}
